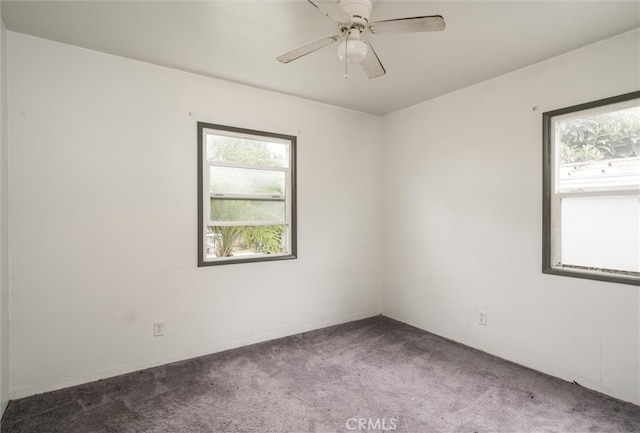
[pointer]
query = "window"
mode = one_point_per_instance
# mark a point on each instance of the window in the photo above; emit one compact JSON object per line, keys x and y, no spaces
{"x":246,"y":195}
{"x":591,"y":207}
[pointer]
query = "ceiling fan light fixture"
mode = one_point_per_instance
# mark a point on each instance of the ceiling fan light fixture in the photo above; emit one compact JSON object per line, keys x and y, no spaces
{"x":353,"y":19}
{"x":355,"y":51}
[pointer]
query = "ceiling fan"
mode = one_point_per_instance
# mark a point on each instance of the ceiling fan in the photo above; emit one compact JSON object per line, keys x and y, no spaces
{"x":352,"y":18}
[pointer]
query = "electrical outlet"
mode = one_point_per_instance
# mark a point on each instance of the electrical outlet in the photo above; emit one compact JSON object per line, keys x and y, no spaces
{"x":158,"y":329}
{"x":482,"y":318}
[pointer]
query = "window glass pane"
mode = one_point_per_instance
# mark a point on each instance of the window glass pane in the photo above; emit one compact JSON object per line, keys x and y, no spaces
{"x":231,"y":180}
{"x":599,"y":152}
{"x":239,"y":241}
{"x":247,"y":210}
{"x":601,"y":232}
{"x":222,"y":148}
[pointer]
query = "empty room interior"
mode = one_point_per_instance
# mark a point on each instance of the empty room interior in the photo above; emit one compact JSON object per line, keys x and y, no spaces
{"x":320,"y":216}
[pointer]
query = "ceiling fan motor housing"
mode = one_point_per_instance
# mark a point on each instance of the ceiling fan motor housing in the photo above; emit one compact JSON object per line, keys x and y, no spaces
{"x":359,"y":10}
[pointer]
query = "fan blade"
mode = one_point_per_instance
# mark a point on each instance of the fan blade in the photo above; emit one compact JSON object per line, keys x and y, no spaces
{"x":371,"y":64}
{"x":332,"y":9}
{"x":309,"y":48}
{"x":434,"y":23}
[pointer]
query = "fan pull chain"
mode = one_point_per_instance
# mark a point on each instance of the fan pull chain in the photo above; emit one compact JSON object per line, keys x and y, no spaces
{"x":346,"y":62}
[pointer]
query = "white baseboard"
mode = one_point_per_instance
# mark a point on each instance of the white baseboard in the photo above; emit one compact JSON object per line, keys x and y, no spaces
{"x":3,"y":405}
{"x":201,"y":351}
{"x":560,"y":373}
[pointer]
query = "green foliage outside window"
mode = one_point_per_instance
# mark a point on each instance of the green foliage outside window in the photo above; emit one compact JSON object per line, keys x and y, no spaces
{"x":605,"y":136}
{"x":239,"y":150}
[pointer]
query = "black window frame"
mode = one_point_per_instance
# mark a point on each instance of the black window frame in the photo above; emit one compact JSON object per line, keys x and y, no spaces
{"x":548,"y":192}
{"x":292,"y":139}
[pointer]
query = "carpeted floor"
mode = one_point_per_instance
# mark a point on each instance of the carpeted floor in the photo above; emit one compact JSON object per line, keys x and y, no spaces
{"x":372,"y":375}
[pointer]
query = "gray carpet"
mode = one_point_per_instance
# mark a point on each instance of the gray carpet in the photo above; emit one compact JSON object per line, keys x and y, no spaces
{"x":372,"y":375}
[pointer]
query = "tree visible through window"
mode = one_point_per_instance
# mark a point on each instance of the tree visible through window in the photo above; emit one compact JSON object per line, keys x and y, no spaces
{"x":592,"y":190}
{"x":247,"y":195}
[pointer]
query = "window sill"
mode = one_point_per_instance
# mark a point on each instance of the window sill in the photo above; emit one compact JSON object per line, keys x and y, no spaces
{"x":246,"y":259}
{"x":593,"y":275}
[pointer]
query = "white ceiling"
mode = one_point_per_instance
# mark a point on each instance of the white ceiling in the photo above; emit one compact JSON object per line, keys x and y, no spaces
{"x":239,"y":41}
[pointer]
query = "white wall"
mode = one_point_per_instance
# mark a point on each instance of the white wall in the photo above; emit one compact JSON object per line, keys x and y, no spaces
{"x":102,"y":204}
{"x":462,"y":224}
{"x":4,"y":256}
